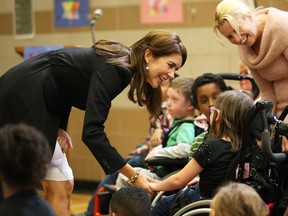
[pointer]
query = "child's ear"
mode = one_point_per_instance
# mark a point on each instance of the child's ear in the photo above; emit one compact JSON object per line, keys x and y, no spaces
{"x":191,"y":107}
{"x":217,"y":119}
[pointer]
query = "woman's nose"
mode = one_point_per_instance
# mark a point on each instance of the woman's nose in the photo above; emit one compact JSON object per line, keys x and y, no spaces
{"x":171,"y":74}
{"x":236,"y":39}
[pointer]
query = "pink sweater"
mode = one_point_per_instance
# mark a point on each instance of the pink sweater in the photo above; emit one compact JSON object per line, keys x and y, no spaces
{"x":270,"y":67}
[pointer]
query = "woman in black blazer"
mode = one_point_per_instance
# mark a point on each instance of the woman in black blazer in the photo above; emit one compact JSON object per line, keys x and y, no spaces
{"x":41,"y":90}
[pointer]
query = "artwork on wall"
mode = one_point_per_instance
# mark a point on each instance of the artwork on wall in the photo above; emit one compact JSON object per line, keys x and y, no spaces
{"x":161,"y":11}
{"x":71,"y":13}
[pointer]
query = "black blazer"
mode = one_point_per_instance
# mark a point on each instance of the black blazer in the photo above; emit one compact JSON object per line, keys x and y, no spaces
{"x":41,"y":91}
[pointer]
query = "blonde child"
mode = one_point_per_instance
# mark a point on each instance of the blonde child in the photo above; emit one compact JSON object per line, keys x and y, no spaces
{"x":244,"y":199}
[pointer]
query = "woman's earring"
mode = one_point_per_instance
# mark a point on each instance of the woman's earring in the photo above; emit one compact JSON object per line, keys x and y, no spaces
{"x":147,"y":68}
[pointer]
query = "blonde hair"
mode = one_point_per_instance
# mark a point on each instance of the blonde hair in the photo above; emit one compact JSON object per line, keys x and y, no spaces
{"x":231,"y":11}
{"x":244,"y":199}
{"x":233,"y":106}
{"x":183,"y":85}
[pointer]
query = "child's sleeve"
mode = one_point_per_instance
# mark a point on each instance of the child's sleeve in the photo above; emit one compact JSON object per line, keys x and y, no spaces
{"x":196,"y":143}
{"x":181,"y":150}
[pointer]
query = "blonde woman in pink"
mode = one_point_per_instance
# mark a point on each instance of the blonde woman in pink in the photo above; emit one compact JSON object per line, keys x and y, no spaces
{"x":261,"y":37}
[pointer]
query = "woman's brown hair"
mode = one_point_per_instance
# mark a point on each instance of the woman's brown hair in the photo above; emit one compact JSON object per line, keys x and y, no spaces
{"x":160,"y":43}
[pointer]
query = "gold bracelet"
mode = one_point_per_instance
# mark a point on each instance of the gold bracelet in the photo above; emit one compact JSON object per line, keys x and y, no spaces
{"x":134,"y":178}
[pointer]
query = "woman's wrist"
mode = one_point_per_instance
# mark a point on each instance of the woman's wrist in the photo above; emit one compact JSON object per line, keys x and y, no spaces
{"x":134,"y":177}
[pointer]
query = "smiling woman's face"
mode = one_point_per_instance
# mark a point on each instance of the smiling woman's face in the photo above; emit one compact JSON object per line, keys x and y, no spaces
{"x":161,"y":68}
{"x":248,"y":32}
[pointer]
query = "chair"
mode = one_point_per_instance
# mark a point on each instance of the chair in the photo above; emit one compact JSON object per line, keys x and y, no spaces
{"x":263,"y":175}
{"x":177,"y":164}
{"x":105,"y":190}
{"x":200,"y":212}
{"x":235,"y":76}
{"x":195,"y":208}
{"x":165,"y":161}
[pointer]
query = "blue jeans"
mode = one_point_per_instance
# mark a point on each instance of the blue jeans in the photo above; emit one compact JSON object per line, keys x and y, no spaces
{"x":164,"y":206}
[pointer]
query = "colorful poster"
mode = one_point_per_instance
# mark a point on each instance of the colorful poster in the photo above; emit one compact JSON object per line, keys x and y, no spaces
{"x":71,"y":13}
{"x":161,"y":11}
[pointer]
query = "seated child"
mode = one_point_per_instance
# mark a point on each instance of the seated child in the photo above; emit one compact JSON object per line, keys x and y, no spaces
{"x":205,"y":90}
{"x":244,"y":199}
{"x":213,"y":157}
{"x":130,"y":201}
{"x":24,"y":158}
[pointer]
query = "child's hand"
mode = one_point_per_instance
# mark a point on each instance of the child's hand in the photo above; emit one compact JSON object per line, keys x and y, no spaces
{"x":155,"y":138}
{"x":153,"y":186}
{"x":193,"y":181}
{"x":201,"y":121}
{"x":150,"y":154}
{"x":143,"y":181}
{"x":153,"y":152}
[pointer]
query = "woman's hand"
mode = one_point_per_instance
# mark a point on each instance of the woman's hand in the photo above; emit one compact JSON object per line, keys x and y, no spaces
{"x":143,"y":181}
{"x":136,"y":178}
{"x":64,"y":140}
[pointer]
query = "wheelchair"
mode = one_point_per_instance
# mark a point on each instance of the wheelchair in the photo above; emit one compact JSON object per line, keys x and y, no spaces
{"x":259,"y":167}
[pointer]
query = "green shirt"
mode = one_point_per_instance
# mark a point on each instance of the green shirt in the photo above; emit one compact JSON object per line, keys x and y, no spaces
{"x":184,"y":133}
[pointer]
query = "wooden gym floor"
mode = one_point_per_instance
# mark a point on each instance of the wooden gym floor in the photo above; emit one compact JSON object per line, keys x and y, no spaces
{"x":79,"y":201}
